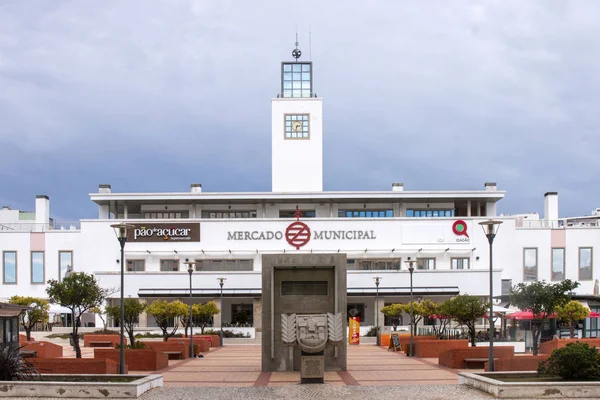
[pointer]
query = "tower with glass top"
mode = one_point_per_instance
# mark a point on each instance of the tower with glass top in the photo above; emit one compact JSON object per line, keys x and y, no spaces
{"x":297,"y":130}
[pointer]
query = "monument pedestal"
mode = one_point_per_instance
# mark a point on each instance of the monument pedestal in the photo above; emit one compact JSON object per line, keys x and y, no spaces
{"x":312,"y":367}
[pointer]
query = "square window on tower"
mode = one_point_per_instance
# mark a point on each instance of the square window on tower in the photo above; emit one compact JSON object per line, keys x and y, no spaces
{"x":296,"y":79}
{"x":297,"y":126}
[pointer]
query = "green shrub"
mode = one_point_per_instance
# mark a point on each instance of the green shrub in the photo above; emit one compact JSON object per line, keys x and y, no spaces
{"x":577,"y":361}
{"x":136,"y":345}
{"x":371,"y":332}
{"x":149,"y":335}
{"x":226,"y":333}
{"x":12,"y":365}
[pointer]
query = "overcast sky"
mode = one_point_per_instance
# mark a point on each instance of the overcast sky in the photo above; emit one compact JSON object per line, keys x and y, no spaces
{"x":155,"y":95}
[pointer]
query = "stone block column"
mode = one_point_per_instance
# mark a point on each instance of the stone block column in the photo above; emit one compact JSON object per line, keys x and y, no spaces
{"x":217,"y":318}
{"x":257,"y":314}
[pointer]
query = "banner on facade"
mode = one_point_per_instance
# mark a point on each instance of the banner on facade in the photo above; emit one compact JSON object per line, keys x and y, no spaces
{"x":176,"y":232}
{"x":354,"y":327}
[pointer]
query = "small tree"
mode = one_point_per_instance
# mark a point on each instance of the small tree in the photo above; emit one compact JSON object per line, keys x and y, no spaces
{"x":164,"y":312}
{"x":78,"y":292}
{"x":572,"y":312}
{"x":183,"y":313}
{"x":423,"y":309}
{"x":394,"y":312}
{"x":542,"y":299}
{"x":205,"y":314}
{"x":465,"y":310}
{"x":133,"y":308}
{"x":101,"y":313}
{"x":37,"y":312}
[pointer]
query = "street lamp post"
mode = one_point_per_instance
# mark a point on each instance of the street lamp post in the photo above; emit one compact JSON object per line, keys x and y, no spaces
{"x":490,"y":228}
{"x":411,"y":269}
{"x":190,"y":266}
{"x":221,"y":283}
{"x":121,"y":232}
{"x":377,"y":280}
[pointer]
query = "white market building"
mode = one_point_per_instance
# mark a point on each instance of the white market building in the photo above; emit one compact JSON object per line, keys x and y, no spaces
{"x":228,"y":233}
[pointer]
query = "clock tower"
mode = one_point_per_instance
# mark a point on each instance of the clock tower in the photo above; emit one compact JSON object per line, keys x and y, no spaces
{"x":297,"y":130}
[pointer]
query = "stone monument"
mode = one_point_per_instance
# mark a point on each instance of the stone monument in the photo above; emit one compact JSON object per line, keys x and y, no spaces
{"x":304,"y":307}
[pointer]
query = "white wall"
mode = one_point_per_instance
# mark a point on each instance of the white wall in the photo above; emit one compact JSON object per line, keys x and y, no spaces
{"x":297,"y":164}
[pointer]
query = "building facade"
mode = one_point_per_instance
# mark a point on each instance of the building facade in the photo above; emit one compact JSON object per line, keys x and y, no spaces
{"x":227,"y":234}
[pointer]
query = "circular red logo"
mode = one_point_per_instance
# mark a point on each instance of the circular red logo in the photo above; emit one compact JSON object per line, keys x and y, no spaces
{"x":297,"y":234}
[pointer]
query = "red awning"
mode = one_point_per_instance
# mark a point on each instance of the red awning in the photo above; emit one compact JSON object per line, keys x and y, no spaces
{"x":524,"y":315}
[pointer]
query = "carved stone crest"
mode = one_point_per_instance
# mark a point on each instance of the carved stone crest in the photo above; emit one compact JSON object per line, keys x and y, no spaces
{"x":312,"y":332}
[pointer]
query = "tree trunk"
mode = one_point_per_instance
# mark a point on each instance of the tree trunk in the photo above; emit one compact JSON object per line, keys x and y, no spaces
{"x":472,"y":335}
{"x":572,"y":328}
{"x":27,"y":332}
{"x":76,"y":335}
{"x":185,"y":330}
{"x":131,"y":334}
{"x":535,"y":333}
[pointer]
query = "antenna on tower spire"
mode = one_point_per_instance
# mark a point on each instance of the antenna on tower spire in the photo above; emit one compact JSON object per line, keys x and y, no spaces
{"x":296,"y":53}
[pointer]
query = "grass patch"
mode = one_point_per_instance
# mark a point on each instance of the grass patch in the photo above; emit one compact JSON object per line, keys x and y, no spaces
{"x":513,"y":378}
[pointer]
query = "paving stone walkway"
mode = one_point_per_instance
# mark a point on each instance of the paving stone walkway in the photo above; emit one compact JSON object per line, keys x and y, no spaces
{"x":367,"y":366}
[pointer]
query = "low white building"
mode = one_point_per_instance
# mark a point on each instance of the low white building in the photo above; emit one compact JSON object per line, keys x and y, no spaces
{"x":227,"y":234}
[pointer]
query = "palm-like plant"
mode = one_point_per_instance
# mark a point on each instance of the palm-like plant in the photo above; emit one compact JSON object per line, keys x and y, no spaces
{"x":12,"y":366}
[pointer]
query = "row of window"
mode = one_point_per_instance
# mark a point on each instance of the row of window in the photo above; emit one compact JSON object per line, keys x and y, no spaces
{"x":344,"y":213}
{"x":530,"y":264}
{"x":422,"y":263}
{"x":37,"y":266}
{"x":429,"y":213}
{"x":201,"y":265}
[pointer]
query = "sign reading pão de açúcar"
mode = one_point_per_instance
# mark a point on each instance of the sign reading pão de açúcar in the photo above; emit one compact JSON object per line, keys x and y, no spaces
{"x":165,"y":233}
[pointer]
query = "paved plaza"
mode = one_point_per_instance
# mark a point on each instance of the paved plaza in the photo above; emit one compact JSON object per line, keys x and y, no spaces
{"x":368,"y":365}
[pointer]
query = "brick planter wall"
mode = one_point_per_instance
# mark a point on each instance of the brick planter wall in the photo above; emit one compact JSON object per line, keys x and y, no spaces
{"x":215,"y":340}
{"x":201,"y":345}
{"x":45,"y":349}
{"x":433,"y":348}
{"x":172,"y":345}
{"x":75,"y":366}
{"x":136,"y":359}
{"x":114,"y":339}
{"x":518,"y":363}
{"x":549,"y":346}
{"x":455,"y":358}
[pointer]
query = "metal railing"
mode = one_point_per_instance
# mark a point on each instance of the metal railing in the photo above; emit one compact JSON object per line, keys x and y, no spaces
{"x":39,"y":227}
{"x":554,"y":224}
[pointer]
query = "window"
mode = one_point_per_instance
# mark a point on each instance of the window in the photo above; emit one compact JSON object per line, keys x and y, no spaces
{"x":460,"y":263}
{"x":297,"y":126}
{"x":9,"y":267}
{"x":136,"y":265}
{"x":167,"y":215}
{"x":530,"y":272}
{"x":229,"y":214}
{"x":242,"y":314}
{"x":585,"y":263}
{"x":37,"y":267}
{"x":558,"y":264}
{"x":429,"y":213}
{"x":304,"y":288}
{"x":296,"y":79}
{"x":65,"y":263}
{"x":290,"y":213}
{"x":169,"y":265}
{"x":506,"y":286}
{"x":425,"y":263}
{"x":365,"y":213}
{"x":224,"y":265}
{"x":374,"y":264}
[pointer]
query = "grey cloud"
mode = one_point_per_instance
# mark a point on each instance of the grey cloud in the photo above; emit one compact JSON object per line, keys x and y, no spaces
{"x":437,"y":95}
